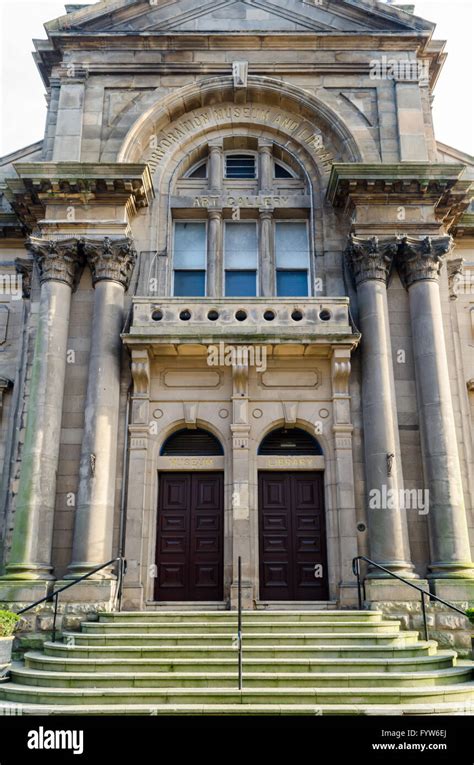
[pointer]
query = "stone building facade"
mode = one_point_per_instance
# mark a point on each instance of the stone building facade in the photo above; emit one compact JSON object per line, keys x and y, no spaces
{"x":238,"y":312}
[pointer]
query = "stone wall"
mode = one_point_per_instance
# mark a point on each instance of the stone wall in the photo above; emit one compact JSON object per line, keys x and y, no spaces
{"x":449,"y":629}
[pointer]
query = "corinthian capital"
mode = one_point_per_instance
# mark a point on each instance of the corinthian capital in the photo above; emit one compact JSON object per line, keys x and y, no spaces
{"x":110,"y":259}
{"x":58,"y":260}
{"x":420,"y":259}
{"x":370,"y":259}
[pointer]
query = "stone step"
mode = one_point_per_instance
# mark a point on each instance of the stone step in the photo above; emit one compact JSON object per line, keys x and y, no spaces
{"x":230,"y":627}
{"x":89,"y":697}
{"x":259,"y":638}
{"x":249,"y":617}
{"x":335,"y":650}
{"x":220,"y":710}
{"x":43,"y":662}
{"x":33,"y":677}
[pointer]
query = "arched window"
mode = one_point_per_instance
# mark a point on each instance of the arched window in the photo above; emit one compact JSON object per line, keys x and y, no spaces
{"x":198,"y":172}
{"x":240,"y":179}
{"x":282,"y":172}
{"x":290,"y":442}
{"x":192,"y":443}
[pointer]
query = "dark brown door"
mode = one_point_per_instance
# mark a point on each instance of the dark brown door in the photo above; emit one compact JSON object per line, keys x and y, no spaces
{"x":293,"y":564}
{"x":190,"y":537}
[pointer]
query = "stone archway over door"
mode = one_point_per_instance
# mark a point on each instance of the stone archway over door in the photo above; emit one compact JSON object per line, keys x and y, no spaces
{"x":190,"y":537}
{"x":292,"y":536}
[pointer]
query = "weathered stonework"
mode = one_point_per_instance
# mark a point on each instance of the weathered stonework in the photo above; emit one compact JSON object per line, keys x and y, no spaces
{"x":105,"y":359}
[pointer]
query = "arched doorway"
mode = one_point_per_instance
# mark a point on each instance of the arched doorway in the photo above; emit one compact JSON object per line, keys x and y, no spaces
{"x":292,"y":529}
{"x":190,"y":523}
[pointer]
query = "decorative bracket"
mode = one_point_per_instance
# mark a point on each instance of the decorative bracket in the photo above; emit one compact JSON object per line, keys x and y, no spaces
{"x":240,"y":70}
{"x":140,"y":368}
{"x":290,"y":413}
{"x":190,"y":414}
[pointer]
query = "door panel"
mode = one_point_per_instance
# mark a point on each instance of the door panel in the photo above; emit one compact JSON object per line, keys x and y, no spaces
{"x":292,"y":536}
{"x":190,"y":537}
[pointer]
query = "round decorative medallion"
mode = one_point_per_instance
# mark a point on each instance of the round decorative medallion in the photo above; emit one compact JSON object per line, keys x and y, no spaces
{"x":223,"y":414}
{"x":257,"y":413}
{"x":324,"y":414}
{"x":158,"y":414}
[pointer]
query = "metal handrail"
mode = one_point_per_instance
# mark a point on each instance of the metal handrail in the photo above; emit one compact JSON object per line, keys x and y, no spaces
{"x":54,"y":596}
{"x":361,"y":589}
{"x":239,"y":629}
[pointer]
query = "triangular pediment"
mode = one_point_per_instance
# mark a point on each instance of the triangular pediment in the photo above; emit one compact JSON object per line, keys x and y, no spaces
{"x":230,"y":16}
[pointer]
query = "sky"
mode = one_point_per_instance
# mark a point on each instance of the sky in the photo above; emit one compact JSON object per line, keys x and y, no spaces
{"x":23,"y":105}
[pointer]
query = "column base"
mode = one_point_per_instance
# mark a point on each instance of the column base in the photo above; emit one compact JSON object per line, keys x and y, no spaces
{"x":22,"y":592}
{"x":400,"y":568}
{"x":459,"y":570}
{"x":29,"y":572}
{"x":383,"y":590}
{"x":454,"y":590}
{"x":248,"y":602}
{"x":348,"y":595}
{"x":89,"y":591}
{"x":76,"y":570}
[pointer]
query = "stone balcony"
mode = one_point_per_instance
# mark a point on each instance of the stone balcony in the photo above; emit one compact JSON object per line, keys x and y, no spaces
{"x":299,"y":323}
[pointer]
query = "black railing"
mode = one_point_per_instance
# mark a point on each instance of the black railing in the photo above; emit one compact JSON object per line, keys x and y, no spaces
{"x":239,"y":629}
{"x":423,"y":593}
{"x":54,"y":596}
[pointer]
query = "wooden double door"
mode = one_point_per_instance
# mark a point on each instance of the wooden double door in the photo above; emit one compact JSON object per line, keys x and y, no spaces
{"x":292,"y":535}
{"x":190,"y":537}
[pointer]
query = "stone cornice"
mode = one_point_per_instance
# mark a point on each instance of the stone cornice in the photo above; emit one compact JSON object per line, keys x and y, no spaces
{"x":110,"y":259}
{"x":57,"y":260}
{"x":440,"y":185}
{"x":41,"y":182}
{"x":422,"y":259}
{"x":371,"y":259}
{"x":465,"y":226}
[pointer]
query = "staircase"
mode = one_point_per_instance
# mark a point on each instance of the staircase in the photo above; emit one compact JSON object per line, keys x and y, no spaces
{"x":295,"y":662}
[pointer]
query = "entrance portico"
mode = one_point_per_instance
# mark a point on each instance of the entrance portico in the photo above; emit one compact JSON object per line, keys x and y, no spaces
{"x":304,"y":385}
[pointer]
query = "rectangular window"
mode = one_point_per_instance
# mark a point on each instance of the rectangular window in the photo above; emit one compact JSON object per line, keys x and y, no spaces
{"x":241,"y":258}
{"x":292,"y":259}
{"x":241,"y":166}
{"x":189,"y":259}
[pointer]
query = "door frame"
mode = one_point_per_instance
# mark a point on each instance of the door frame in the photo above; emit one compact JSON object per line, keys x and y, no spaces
{"x":175,"y":465}
{"x":263,"y":469}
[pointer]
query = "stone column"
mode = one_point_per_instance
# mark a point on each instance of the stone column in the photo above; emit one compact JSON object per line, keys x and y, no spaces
{"x":30,"y":556}
{"x":267,"y":261}
{"x":215,"y":166}
{"x":265,"y":176}
{"x":344,"y":472}
{"x":371,"y":261}
{"x":111,"y":263}
{"x":214,"y":254}
{"x":240,"y":494}
{"x":419,"y":264}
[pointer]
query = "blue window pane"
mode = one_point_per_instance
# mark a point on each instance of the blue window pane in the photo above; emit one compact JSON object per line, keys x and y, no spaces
{"x":241,"y":283}
{"x":189,"y":246}
{"x":189,"y":283}
{"x":291,"y":245}
{"x":292,"y":283}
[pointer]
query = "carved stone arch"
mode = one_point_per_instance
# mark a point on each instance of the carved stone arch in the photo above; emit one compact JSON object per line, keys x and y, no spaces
{"x":179,"y":424}
{"x":324,"y":441}
{"x":261,"y":90}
